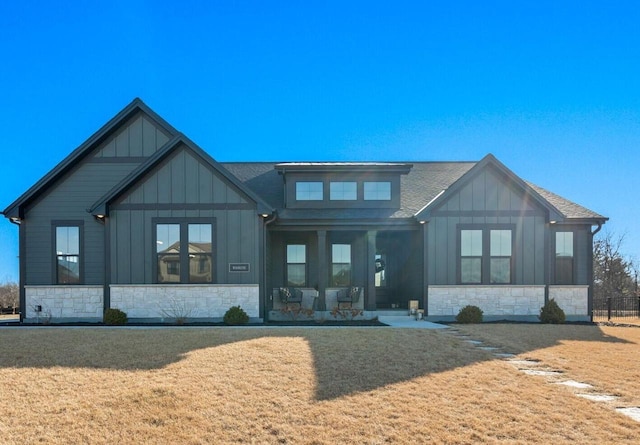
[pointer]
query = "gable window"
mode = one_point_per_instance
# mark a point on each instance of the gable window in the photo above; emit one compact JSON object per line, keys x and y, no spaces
{"x":184,"y":252}
{"x":67,"y":254}
{"x":343,"y":191}
{"x":309,"y":191}
{"x":485,"y":256}
{"x":564,"y":258}
{"x":340,"y":265}
{"x":296,"y":265}
{"x":377,"y":191}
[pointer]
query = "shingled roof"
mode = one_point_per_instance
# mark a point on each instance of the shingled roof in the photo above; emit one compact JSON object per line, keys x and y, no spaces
{"x":569,"y":209}
{"x":424,"y":182}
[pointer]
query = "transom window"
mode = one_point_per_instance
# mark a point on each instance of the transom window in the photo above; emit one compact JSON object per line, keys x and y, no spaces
{"x":296,"y":265}
{"x":67,"y":239}
{"x":343,"y":191}
{"x":377,"y":191}
{"x":485,"y":256}
{"x":564,"y":258}
{"x":184,"y":252}
{"x":340,"y":265}
{"x":309,"y":191}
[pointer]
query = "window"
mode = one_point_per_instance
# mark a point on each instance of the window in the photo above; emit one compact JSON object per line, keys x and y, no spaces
{"x":485,"y":256}
{"x":471,"y":256}
{"x":500,"y":261}
{"x":296,"y":265}
{"x":343,"y":191}
{"x":184,"y":253}
{"x":377,"y":191}
{"x":200,"y":255}
{"x":564,"y":258}
{"x":340,"y":265}
{"x":67,"y":263}
{"x":309,"y":191}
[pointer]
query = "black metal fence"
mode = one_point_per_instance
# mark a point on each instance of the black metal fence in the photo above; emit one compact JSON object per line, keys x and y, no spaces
{"x":616,"y":307}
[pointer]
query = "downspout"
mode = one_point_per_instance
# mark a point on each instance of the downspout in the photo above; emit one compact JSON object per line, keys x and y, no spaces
{"x":590,"y":290}
{"x":22,"y":248}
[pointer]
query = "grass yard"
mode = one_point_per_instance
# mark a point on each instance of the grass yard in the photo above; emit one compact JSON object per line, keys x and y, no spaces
{"x":315,"y":386}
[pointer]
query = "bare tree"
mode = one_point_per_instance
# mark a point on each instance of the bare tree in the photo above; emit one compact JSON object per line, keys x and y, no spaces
{"x":9,"y":294}
{"x":613,"y":273}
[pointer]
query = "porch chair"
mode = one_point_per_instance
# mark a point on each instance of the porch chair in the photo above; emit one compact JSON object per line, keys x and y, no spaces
{"x":290,"y":295}
{"x":349,"y":295}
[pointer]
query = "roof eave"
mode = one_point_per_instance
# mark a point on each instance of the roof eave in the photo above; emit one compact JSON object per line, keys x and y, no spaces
{"x":572,"y":221}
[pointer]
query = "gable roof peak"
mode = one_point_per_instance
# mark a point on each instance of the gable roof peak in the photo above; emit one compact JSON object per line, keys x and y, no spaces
{"x":15,"y":209}
{"x":488,"y":160}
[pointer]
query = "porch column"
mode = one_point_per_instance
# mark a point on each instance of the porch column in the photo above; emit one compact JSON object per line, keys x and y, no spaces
{"x":323,"y":270}
{"x":425,"y":269}
{"x":370,"y":290}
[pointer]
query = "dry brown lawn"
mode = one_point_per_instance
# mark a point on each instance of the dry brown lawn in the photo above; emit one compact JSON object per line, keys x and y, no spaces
{"x":606,"y":357}
{"x":315,"y":386}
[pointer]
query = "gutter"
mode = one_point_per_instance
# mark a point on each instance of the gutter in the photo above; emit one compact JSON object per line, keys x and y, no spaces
{"x":598,"y":229}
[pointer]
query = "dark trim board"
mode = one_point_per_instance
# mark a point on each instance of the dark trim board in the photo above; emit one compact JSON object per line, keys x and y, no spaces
{"x":230,"y":206}
{"x":337,"y":225}
{"x":488,"y":213}
{"x":22,"y":260}
{"x":107,"y":264}
{"x":118,"y":160}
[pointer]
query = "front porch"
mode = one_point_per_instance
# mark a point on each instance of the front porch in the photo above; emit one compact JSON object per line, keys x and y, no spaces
{"x":387,"y":265}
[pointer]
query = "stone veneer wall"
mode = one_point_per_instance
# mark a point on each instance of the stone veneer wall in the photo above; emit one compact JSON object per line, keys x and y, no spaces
{"x":573,"y":300}
{"x":502,"y":301}
{"x":202,"y":300}
{"x":64,"y":302}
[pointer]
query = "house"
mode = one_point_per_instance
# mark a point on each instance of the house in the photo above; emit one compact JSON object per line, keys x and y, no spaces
{"x":141,"y":219}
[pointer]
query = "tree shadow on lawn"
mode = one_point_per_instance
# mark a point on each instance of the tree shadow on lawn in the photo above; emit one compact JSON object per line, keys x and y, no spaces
{"x":344,"y":360}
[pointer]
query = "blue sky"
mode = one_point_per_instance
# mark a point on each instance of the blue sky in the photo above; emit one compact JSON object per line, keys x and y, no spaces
{"x":552,"y":89}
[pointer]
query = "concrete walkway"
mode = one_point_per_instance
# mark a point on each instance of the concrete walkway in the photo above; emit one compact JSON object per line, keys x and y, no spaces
{"x":406,"y":321}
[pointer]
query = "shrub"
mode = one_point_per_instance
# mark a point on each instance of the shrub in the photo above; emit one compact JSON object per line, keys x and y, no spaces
{"x":115,"y":317}
{"x":235,"y":315}
{"x":469,"y":314}
{"x":551,"y":313}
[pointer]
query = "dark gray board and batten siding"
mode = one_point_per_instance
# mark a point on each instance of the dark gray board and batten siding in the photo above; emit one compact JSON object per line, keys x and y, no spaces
{"x":488,"y":199}
{"x":183,"y":186}
{"x":69,"y":197}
